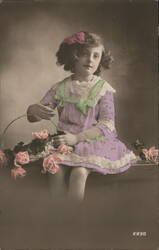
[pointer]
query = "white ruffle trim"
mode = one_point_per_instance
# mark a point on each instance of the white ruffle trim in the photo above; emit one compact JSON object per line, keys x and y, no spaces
{"x":100,"y":161}
{"x":106,"y":87}
{"x":109,"y":124}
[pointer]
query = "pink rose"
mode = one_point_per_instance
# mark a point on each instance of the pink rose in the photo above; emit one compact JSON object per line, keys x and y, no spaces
{"x":64,"y":149}
{"x":50,"y":164}
{"x":3,"y":159}
{"x":153,"y":151}
{"x":18,"y":172}
{"x":76,"y":38}
{"x":42,"y":134}
{"x":22,"y":158}
{"x":146,"y":153}
{"x":152,"y":154}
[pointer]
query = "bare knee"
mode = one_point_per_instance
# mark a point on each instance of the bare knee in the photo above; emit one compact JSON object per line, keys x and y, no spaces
{"x":57,"y":184}
{"x":59,"y":175}
{"x":77,"y":183}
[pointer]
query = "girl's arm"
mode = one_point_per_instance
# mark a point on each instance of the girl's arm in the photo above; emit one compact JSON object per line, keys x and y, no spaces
{"x":106,"y":117}
{"x":44,"y":109}
{"x":105,"y":122}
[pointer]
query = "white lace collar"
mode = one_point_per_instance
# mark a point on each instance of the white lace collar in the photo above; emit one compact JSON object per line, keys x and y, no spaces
{"x":80,"y":88}
{"x":87,"y":84}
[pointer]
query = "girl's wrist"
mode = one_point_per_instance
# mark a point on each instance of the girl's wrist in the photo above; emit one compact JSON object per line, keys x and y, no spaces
{"x":90,"y":133}
{"x":81,"y":137}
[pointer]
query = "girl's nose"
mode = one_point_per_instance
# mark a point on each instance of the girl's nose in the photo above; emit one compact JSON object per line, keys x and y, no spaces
{"x":90,"y":58}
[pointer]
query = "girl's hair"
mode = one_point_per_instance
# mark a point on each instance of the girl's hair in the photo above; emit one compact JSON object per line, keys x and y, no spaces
{"x":73,"y":46}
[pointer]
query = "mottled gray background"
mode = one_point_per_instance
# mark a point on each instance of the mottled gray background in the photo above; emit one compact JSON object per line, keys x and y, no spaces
{"x":30,"y":34}
{"x":115,"y":206}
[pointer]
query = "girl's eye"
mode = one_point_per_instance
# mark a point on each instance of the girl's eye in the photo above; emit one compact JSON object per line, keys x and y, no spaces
{"x":96,"y":56}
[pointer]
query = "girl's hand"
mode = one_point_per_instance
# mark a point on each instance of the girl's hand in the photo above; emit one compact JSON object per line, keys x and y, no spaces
{"x":67,"y":139}
{"x":38,"y":111}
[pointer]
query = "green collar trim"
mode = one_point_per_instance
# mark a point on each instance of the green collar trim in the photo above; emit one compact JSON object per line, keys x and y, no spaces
{"x":83,"y":105}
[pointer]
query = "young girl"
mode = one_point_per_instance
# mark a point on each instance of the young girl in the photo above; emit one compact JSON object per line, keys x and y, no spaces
{"x":86,"y":113}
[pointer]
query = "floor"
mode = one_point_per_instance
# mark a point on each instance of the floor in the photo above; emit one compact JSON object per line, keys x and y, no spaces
{"x":119,"y":212}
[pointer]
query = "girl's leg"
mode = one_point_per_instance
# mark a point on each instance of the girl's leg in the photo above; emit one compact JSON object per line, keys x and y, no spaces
{"x":58,"y":190}
{"x":77,"y":183}
{"x":57,"y":184}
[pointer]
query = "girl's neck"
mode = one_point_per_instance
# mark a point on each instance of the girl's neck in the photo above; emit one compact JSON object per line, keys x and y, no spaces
{"x":82,"y":78}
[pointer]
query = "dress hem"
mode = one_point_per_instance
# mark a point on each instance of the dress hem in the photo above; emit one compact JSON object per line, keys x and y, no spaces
{"x":98,"y":169}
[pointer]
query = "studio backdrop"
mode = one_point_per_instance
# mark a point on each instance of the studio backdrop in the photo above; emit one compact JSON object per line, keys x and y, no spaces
{"x":31,"y":32}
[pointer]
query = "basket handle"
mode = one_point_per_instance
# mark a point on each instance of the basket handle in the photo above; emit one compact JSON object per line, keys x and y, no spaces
{"x":10,"y":123}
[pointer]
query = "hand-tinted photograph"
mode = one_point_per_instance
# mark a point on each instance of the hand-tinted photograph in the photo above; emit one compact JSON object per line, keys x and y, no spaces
{"x":79,"y":149}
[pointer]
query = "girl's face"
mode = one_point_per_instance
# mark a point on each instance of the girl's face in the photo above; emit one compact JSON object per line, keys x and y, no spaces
{"x":88,"y":60}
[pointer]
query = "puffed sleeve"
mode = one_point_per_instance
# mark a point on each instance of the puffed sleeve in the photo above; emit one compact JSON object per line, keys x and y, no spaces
{"x":49,"y":99}
{"x":106,"y":115}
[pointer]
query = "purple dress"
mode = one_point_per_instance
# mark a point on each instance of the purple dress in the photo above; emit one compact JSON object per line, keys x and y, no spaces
{"x":105,"y":155}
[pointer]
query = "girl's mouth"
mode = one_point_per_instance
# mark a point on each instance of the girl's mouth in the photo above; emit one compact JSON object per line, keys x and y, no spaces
{"x":87,"y":66}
